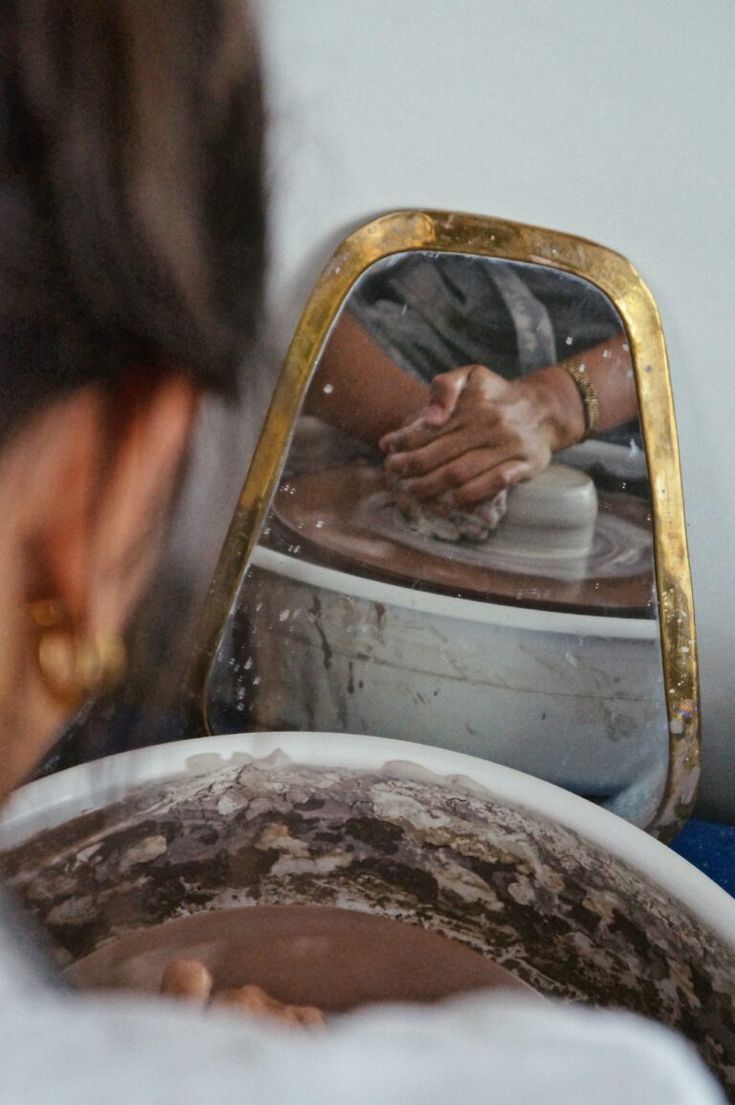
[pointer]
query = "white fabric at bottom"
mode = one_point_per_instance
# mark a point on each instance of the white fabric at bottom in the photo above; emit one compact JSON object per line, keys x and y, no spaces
{"x":77,"y":1050}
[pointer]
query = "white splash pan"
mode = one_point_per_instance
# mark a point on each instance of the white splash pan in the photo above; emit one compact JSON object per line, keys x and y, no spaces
{"x":450,"y":606}
{"x":577,"y":699}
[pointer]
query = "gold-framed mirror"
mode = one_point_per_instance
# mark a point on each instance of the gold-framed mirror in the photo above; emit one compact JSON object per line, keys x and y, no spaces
{"x":531,"y":605}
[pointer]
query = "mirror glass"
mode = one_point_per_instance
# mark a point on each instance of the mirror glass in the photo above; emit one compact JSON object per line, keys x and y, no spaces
{"x":460,"y":549}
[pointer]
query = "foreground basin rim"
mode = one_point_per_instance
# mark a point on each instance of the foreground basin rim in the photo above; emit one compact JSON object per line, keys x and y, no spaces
{"x":48,"y":802}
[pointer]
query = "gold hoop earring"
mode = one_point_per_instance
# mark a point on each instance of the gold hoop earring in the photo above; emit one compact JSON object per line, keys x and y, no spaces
{"x":74,"y":666}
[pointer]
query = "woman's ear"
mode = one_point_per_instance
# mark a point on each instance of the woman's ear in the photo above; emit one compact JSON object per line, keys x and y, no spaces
{"x":85,"y":490}
{"x":114,"y":487}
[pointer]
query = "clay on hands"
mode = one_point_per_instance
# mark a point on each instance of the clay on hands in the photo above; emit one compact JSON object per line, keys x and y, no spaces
{"x":478,"y":435}
{"x":442,"y":517}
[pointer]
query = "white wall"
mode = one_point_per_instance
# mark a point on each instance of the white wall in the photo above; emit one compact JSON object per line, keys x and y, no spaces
{"x":613,"y":121}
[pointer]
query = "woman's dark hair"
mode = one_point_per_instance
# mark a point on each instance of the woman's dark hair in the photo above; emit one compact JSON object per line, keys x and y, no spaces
{"x":131,"y":193}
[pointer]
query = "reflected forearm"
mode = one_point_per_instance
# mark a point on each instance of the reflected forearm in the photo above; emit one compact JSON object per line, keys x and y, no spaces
{"x":358,"y":388}
{"x":610,"y":370}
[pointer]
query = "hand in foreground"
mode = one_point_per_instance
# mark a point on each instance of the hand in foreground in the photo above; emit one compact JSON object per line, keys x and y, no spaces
{"x":478,"y":435}
{"x":189,"y":980}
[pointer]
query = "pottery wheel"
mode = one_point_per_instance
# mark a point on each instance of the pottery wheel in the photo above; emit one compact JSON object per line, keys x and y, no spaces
{"x":346,"y":518}
{"x":619,"y":548}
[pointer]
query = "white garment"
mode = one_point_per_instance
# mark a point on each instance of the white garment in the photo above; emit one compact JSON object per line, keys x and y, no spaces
{"x":60,"y":1048}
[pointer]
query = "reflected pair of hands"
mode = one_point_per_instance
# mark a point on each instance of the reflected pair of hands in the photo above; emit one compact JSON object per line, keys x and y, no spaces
{"x":477,"y":436}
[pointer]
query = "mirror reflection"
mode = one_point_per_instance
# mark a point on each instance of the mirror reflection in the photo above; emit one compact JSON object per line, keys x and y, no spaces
{"x":460,"y":549}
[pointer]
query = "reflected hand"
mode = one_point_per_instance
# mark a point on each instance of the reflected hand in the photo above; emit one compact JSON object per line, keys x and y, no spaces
{"x":478,"y":435}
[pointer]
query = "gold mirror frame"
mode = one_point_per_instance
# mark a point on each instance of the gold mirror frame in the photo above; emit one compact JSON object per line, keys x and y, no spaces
{"x":444,"y":231}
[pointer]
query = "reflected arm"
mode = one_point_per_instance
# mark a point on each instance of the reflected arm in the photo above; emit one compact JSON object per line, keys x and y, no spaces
{"x":358,"y":388}
{"x":473,"y":432}
{"x":609,"y":368}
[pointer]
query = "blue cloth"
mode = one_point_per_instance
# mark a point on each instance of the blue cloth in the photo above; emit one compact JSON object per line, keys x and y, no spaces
{"x":710,"y":846}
